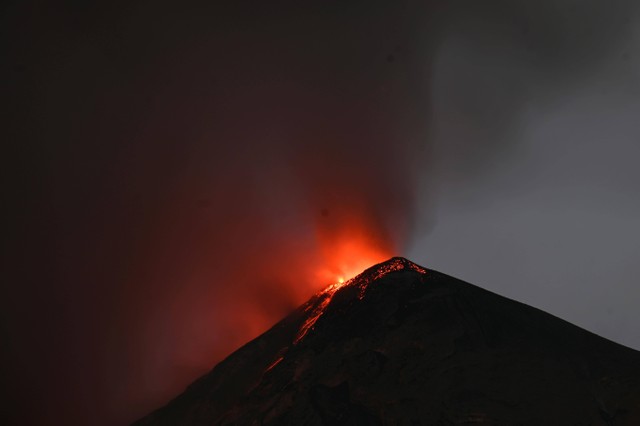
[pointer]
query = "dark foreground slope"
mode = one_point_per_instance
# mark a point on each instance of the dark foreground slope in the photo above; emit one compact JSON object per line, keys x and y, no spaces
{"x":401,"y":345}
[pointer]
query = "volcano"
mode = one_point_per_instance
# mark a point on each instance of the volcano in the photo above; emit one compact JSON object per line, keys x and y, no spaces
{"x":400,"y":344}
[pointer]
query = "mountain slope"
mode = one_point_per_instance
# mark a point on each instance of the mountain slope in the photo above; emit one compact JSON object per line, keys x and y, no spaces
{"x":402,"y":345}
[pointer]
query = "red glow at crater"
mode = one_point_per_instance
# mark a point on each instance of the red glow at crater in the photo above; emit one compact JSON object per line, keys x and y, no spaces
{"x":346,"y":256}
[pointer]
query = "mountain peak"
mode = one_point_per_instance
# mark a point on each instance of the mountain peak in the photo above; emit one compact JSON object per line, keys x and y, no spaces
{"x":317,"y":306}
{"x":388,"y":266}
{"x":400,"y":344}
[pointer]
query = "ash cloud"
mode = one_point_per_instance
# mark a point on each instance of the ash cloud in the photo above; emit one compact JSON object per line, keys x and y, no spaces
{"x":182,"y":171}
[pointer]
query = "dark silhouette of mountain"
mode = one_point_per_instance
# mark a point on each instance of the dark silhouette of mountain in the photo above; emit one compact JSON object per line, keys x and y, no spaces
{"x":403,"y":345}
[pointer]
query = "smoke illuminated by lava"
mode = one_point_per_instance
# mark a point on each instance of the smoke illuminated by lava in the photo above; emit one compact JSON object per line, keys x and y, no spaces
{"x":347,"y":254}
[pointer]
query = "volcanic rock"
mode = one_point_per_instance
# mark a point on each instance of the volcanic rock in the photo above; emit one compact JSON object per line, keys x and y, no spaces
{"x":403,"y":345}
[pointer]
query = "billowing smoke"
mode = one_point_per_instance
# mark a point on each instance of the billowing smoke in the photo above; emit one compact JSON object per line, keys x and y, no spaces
{"x":189,"y":174}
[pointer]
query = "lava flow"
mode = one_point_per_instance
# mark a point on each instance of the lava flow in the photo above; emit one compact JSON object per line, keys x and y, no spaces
{"x":318,"y":308}
{"x":361,"y":281}
{"x":344,"y":261}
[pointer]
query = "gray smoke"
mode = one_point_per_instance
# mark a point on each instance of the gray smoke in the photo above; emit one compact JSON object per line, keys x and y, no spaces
{"x":536,"y":139}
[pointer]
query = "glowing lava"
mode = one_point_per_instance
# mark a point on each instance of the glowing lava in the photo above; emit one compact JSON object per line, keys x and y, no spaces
{"x":346,"y":260}
{"x":318,"y":306}
{"x":348,"y":243}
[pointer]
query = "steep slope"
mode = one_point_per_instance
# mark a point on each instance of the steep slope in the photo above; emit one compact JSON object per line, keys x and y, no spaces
{"x":402,"y":345}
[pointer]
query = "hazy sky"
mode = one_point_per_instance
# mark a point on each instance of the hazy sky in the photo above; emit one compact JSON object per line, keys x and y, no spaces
{"x":179,"y":176}
{"x":551,"y":217}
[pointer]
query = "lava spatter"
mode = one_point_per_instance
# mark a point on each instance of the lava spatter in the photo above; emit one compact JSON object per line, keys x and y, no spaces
{"x":360,"y":281}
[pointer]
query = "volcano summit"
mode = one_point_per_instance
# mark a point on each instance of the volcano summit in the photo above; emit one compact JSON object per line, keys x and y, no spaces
{"x":403,"y":345}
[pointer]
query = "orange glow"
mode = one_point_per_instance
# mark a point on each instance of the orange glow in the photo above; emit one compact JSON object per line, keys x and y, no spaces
{"x":317,"y":306}
{"x":346,"y":249}
{"x":347,"y":256}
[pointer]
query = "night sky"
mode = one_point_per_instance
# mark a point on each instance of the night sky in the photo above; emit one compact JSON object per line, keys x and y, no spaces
{"x":177,"y":177}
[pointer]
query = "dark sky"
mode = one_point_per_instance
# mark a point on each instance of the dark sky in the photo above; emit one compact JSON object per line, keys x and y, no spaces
{"x":179,"y":176}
